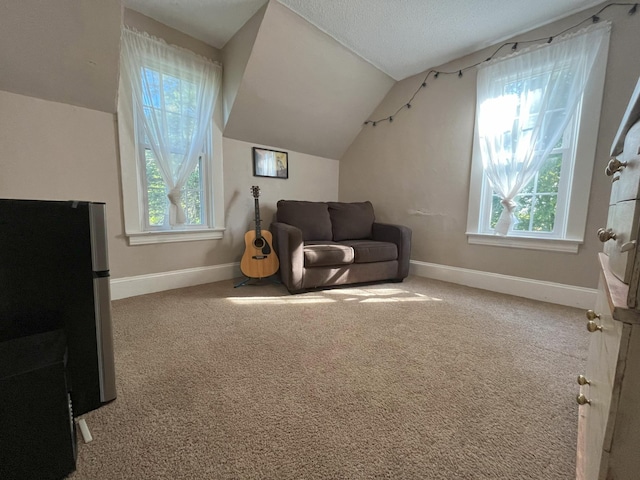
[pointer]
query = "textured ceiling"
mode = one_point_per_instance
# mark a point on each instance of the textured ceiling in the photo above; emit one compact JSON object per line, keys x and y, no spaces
{"x":400,"y":37}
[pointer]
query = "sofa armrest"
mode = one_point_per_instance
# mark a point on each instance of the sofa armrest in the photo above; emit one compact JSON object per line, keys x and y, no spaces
{"x":288,"y":244}
{"x":401,"y":236}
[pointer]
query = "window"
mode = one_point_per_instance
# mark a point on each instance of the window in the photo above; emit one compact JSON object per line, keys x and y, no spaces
{"x":550,"y":201}
{"x":170,"y":145}
{"x":540,"y":205}
{"x":172,"y":97}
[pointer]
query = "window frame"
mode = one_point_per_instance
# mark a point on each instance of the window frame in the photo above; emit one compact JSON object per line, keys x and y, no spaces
{"x":572,"y":232}
{"x":133,"y":170}
{"x":568,"y":152}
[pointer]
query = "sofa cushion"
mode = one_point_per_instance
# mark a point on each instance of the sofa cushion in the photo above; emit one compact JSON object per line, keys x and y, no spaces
{"x":369,"y":251}
{"x":325,"y":254}
{"x":351,"y":221}
{"x":312,"y":218}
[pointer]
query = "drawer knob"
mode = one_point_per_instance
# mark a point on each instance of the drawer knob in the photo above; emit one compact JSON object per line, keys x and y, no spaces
{"x":591,"y":315}
{"x":593,"y":326}
{"x":582,"y":380}
{"x":582,"y":400}
{"x":614,"y":166}
{"x":606,"y":234}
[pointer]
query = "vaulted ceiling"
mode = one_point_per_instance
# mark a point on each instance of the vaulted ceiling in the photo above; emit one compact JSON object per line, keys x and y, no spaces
{"x":299,"y":89}
{"x":303,"y":75}
{"x":401,"y":38}
{"x":298,"y":74}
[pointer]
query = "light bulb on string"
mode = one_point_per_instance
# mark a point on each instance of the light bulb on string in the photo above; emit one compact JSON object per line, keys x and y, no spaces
{"x":514,"y":46}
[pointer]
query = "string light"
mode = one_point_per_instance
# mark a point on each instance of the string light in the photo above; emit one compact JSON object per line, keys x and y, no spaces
{"x":514,"y":46}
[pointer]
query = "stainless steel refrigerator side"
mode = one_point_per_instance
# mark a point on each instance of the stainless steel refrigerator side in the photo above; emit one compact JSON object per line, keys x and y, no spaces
{"x":102,"y":301}
{"x":104,"y":338}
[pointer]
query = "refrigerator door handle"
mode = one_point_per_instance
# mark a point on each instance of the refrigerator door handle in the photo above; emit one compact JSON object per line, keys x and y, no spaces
{"x":99,"y":250}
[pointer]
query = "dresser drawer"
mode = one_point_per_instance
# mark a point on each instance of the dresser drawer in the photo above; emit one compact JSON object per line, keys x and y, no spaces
{"x":626,"y":181}
{"x":623,"y":222}
{"x":595,"y":418}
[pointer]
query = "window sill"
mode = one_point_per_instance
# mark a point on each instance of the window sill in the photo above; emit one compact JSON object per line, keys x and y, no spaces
{"x":531,"y":243}
{"x":146,"y":238}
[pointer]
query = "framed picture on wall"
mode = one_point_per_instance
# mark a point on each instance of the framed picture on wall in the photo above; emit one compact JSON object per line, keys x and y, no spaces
{"x":270,"y":163}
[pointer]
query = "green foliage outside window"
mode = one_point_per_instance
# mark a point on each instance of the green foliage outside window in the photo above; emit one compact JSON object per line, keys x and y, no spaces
{"x":157,"y":195}
{"x":177,"y":98}
{"x":536,"y":203}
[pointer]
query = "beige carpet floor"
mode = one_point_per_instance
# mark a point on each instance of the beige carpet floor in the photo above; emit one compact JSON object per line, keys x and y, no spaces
{"x":416,"y":380}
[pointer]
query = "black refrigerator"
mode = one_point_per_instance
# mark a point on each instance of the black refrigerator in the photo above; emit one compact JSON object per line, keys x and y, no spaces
{"x":54,"y":276}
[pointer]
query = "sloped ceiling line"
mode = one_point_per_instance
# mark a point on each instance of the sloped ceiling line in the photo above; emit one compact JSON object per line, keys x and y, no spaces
{"x":300,"y":89}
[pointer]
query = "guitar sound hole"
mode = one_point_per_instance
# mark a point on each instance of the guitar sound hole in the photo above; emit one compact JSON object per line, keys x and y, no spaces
{"x":259,"y":243}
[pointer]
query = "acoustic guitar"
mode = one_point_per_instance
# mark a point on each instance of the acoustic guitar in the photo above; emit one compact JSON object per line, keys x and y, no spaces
{"x":259,"y":260}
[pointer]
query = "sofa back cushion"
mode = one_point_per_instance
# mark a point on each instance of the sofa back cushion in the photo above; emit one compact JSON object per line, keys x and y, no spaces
{"x":312,"y":218}
{"x":351,"y":221}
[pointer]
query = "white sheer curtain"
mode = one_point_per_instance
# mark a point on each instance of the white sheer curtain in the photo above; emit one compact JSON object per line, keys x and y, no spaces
{"x":174,"y":93}
{"x":524,"y":104}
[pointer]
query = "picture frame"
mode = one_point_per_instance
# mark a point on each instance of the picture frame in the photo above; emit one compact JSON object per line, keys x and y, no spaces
{"x":270,"y":163}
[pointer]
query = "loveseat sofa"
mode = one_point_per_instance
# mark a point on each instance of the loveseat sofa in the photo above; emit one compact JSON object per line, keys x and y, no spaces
{"x":322,"y":244}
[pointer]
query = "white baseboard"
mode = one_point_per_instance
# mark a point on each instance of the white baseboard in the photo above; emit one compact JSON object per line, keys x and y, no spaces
{"x":558,"y":293}
{"x":551,"y":292}
{"x":158,"y":282}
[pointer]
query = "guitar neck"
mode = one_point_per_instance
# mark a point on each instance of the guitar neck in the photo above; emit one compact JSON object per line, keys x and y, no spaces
{"x":257,"y":218}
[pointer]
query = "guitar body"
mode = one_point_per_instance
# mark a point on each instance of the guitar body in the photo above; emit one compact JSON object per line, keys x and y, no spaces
{"x":259,"y":260}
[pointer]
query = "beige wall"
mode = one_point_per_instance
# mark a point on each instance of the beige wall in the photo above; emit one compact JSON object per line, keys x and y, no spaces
{"x":238,"y":178}
{"x":65,"y":51}
{"x":422,"y":161}
{"x":419,"y":162}
{"x":55,"y":151}
{"x":60,"y":152}
{"x":310,"y":178}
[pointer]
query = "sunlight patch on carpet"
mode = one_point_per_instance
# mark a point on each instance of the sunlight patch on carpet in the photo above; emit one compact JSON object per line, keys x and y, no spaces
{"x":279,"y":300}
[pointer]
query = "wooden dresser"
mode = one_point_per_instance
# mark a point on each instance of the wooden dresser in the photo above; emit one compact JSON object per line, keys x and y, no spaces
{"x":609,"y":397}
